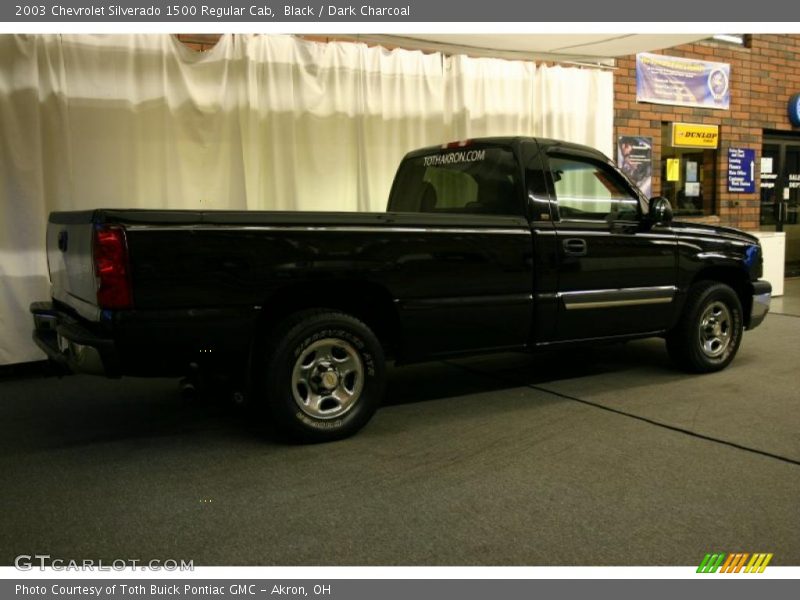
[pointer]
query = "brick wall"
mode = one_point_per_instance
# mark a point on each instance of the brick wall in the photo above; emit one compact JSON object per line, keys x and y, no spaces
{"x":764,"y":76}
{"x":199,"y":41}
{"x":206,"y":41}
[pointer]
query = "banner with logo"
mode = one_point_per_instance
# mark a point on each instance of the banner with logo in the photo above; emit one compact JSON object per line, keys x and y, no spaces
{"x":682,"y":81}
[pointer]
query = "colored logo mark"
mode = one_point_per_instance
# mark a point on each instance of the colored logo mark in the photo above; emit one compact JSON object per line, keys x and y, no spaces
{"x":734,"y":563}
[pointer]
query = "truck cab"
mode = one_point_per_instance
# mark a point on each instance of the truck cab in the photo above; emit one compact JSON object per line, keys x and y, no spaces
{"x":605,"y":261}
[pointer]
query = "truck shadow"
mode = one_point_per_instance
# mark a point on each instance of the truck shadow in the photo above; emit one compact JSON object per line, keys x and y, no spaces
{"x":48,"y":412}
{"x":627,"y":362}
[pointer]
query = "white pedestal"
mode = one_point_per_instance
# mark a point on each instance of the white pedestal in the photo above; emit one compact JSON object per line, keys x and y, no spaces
{"x":773,"y":244}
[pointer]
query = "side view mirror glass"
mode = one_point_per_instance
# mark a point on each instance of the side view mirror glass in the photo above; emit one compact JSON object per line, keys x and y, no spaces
{"x":660,"y":210}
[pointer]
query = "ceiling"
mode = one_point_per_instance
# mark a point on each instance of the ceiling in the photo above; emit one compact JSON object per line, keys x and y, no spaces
{"x":580,"y":48}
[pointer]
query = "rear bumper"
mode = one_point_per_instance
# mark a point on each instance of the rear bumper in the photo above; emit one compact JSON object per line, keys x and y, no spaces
{"x":762,"y":294}
{"x":144,"y":343}
{"x":71,"y":345}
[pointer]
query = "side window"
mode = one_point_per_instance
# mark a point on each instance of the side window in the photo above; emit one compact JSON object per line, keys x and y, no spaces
{"x":589,"y":190}
{"x":460,"y":180}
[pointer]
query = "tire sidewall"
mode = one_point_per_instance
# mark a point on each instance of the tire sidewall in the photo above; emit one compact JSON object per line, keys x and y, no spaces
{"x":716,"y":293}
{"x":280,"y":398}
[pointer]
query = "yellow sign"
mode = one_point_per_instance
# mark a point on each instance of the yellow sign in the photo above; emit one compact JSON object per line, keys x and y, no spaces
{"x":691,"y":135}
{"x":673,"y":169}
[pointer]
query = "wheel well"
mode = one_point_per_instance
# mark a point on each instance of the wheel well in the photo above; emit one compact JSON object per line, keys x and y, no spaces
{"x":736,"y":279}
{"x":368,"y":302}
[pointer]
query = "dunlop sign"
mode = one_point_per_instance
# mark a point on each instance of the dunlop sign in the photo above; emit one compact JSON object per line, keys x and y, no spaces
{"x":691,"y":135}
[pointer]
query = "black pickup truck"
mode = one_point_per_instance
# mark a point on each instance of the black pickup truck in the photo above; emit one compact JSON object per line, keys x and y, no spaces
{"x":495,"y":244}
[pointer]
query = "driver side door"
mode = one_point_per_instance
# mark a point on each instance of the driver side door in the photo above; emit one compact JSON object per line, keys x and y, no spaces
{"x":616,"y":273}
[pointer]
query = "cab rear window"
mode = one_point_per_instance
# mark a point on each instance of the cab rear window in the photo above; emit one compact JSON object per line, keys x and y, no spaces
{"x":460,"y":180}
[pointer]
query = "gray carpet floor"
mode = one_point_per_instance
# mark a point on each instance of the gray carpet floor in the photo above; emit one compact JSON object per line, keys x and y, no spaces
{"x":597,"y":457}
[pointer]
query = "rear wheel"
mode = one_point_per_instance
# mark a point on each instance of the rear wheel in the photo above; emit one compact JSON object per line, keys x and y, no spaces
{"x":322,"y":376}
{"x":709,"y":332}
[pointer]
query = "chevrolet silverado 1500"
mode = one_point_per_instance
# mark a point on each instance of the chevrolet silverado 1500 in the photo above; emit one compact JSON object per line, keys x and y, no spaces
{"x":496,"y":244}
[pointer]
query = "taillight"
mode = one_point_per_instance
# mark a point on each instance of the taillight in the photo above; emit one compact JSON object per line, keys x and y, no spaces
{"x":111,"y":267}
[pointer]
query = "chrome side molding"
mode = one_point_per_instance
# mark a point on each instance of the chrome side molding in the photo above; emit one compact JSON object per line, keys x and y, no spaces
{"x":612,"y":298}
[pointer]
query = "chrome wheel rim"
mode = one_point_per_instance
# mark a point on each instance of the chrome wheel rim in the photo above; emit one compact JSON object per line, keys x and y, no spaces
{"x":716,"y":329}
{"x":327,"y":378}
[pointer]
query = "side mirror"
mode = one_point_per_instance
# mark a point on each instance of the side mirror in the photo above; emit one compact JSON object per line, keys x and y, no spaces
{"x":660,"y":210}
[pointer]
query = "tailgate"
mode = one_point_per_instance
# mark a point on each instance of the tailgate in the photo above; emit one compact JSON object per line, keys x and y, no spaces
{"x":69,"y":258}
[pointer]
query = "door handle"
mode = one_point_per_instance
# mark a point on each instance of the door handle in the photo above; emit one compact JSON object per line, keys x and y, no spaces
{"x":574,"y":247}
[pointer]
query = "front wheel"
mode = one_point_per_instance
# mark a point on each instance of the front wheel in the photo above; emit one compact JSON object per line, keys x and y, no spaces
{"x":322,"y":377}
{"x":709,"y":332}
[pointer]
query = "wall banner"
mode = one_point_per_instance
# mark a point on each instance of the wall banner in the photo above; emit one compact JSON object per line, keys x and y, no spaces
{"x":682,"y":81}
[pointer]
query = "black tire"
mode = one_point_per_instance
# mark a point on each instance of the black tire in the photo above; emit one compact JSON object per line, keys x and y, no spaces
{"x":321,"y":376}
{"x":709,"y":331}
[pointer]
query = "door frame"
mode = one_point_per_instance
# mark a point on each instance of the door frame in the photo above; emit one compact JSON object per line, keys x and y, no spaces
{"x":782,"y":139}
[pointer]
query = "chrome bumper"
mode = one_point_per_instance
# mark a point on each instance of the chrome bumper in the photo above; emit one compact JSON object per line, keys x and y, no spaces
{"x":68,"y":344}
{"x":762,"y":294}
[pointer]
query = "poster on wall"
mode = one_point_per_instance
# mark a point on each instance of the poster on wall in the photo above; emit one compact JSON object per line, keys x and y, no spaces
{"x":691,"y":171}
{"x":682,"y":81}
{"x":635,"y":158}
{"x":742,"y":170}
{"x":673,"y":169}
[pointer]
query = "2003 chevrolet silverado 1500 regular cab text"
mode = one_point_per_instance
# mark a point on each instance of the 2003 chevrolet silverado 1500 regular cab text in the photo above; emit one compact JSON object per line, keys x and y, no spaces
{"x":496,"y":244}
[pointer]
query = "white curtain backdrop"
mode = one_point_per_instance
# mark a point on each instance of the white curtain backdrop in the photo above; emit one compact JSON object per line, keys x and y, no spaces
{"x":489,"y":96}
{"x":259,"y":122}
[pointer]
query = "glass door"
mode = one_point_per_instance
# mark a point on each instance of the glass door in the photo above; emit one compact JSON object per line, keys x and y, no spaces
{"x":770,"y":192}
{"x":789,"y":214}
{"x":780,"y":194}
{"x":688,"y":178}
